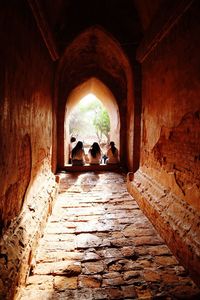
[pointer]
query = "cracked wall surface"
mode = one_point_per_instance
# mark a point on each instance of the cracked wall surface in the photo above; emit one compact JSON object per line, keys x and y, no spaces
{"x":171,"y":124}
{"x":167,"y":184}
{"x":26,"y":76}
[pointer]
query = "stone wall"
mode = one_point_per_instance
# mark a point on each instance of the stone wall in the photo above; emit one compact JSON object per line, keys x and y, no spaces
{"x":167,"y":184}
{"x":27,"y":184}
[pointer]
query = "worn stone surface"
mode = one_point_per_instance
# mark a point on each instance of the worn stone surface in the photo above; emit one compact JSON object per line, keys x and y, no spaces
{"x":176,"y":221}
{"x":140,"y":266}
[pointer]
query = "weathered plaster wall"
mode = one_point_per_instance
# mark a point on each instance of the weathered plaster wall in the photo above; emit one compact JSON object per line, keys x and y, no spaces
{"x":167,"y":184}
{"x":171,"y":110}
{"x":26,"y":80}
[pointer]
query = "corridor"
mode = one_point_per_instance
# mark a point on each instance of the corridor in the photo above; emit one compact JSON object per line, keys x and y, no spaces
{"x":99,"y":245}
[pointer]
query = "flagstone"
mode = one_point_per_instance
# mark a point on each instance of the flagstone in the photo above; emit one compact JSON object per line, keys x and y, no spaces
{"x":99,"y":245}
{"x":61,"y":283}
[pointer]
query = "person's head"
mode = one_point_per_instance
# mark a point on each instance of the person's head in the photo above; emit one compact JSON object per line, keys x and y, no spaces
{"x":73,"y":139}
{"x":95,"y":149}
{"x":77,"y":148}
{"x":112,"y":146}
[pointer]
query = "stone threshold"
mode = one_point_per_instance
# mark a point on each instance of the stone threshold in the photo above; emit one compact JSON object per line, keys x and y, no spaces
{"x":88,"y":167}
{"x":174,"y":219}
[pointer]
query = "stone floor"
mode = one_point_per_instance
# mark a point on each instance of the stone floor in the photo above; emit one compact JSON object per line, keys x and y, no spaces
{"x":99,"y":245}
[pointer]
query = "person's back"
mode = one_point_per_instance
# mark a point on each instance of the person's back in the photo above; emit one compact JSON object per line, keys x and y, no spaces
{"x":78,"y":155}
{"x":112,"y":154}
{"x":71,"y":146}
{"x":94,"y":154}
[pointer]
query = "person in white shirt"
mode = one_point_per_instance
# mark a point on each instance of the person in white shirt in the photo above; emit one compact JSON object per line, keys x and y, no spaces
{"x":78,"y":155}
{"x":94,"y":154}
{"x":112,"y":154}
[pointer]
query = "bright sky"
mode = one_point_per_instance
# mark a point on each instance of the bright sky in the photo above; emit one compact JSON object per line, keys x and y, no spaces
{"x":89,"y":98}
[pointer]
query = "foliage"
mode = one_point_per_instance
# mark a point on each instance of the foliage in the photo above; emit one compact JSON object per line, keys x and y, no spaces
{"x":90,"y":119}
{"x":102,"y":124}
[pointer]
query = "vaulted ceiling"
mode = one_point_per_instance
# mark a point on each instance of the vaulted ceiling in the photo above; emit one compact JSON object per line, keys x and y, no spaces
{"x":93,"y":38}
{"x":125,"y":20}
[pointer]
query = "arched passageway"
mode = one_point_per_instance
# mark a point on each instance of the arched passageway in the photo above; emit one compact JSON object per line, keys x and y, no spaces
{"x":96,"y":87}
{"x":95,"y":62}
{"x":146,"y":53}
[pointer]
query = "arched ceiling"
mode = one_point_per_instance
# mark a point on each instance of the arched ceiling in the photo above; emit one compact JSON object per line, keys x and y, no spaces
{"x":87,"y":54}
{"x":126,"y":20}
{"x":64,"y":20}
{"x":94,"y":53}
{"x":70,"y":17}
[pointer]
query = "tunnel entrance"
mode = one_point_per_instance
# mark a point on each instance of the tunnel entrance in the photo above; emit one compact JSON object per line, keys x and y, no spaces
{"x":93,"y":93}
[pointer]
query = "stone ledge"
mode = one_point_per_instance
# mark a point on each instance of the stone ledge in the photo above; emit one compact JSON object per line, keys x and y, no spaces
{"x":88,"y":167}
{"x":175,"y":220}
{"x":19,"y":242}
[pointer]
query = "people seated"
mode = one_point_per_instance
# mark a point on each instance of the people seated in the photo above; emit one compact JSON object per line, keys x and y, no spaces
{"x":94,"y":154}
{"x":112,"y":154}
{"x":71,"y":146}
{"x":78,"y":155}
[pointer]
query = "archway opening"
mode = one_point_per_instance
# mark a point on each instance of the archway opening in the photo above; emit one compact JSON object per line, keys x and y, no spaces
{"x":92,"y":94}
{"x":89,"y":122}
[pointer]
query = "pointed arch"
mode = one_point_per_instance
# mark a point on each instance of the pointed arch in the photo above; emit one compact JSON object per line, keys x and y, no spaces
{"x":96,"y":54}
{"x":96,"y":87}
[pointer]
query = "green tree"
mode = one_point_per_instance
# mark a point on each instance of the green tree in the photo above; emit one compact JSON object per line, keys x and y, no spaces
{"x":102,"y":124}
{"x":90,"y":118}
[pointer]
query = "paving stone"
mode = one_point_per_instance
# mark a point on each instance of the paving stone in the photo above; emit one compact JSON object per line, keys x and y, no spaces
{"x":110,"y":252}
{"x":115,"y":293}
{"x":90,"y":281}
{"x":90,"y":256}
{"x":131,"y":274}
{"x":62,"y":283}
{"x":99,"y":245}
{"x":87,"y":240}
{"x":151,"y":275}
{"x":129,"y":292}
{"x":166,"y":260}
{"x":44,"y":282}
{"x":115,"y":281}
{"x":93,"y":267}
{"x":99,"y":294}
{"x":128,"y":251}
{"x":53,"y":256}
{"x":66,"y":268}
{"x":143,"y":293}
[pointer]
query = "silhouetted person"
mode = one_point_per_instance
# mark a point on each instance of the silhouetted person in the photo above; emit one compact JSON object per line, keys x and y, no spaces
{"x":71,"y":146}
{"x":112,"y":154}
{"x":78,"y":155}
{"x":94,"y":154}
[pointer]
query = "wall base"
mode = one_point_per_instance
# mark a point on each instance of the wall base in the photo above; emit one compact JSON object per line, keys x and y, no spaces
{"x":174,"y":219}
{"x":18,"y":244}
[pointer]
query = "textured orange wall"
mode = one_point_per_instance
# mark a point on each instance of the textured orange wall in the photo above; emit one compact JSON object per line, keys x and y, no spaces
{"x":171,"y":109}
{"x":26,"y":77}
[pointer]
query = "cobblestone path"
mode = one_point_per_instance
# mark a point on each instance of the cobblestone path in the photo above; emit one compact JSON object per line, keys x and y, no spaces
{"x":99,"y":245}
